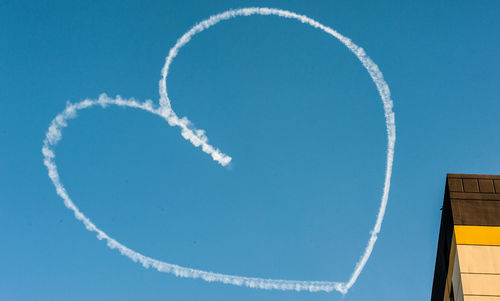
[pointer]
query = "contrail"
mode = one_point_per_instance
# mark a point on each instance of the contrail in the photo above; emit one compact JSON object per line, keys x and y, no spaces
{"x":198,"y":138}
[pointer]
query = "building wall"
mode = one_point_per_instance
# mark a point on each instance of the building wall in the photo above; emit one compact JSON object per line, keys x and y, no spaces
{"x":468,"y":258}
{"x":478,"y":252}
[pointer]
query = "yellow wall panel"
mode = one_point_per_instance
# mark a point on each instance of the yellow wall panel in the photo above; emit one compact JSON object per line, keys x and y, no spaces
{"x":479,"y":259}
{"x":481,"y":284}
{"x":477,"y":235}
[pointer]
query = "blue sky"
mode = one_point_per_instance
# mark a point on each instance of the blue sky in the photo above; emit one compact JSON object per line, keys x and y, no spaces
{"x":293,"y":107}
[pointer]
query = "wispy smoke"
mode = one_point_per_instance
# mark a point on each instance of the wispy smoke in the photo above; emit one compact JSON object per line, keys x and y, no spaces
{"x":198,"y":138}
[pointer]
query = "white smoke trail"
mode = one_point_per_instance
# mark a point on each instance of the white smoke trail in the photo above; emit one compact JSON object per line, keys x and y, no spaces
{"x":54,"y":135}
{"x":197,"y":138}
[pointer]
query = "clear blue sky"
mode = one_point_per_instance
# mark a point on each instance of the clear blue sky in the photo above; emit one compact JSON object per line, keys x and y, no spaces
{"x":292,"y":106}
